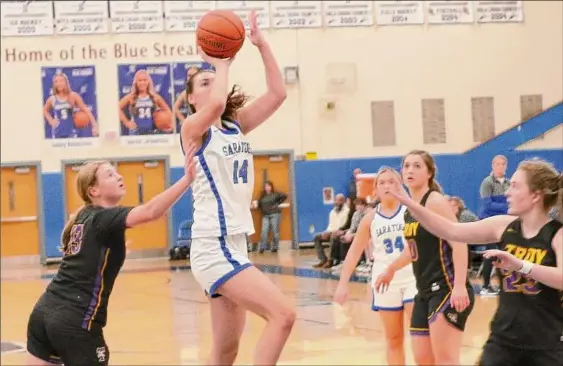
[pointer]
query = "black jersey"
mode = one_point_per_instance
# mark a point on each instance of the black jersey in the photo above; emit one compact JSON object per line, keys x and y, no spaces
{"x":529,"y":313}
{"x":90,"y":265}
{"x":432,"y":260}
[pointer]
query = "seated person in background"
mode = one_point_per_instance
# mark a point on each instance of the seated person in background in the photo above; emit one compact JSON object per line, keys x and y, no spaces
{"x":337,"y":219}
{"x":341,"y":243}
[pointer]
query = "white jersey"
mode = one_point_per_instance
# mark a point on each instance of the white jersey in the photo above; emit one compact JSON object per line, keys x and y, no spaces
{"x":388,"y":241}
{"x":222,"y":189}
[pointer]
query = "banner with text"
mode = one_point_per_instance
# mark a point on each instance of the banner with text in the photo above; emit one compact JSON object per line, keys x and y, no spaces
{"x":499,"y":11}
{"x":26,"y":18}
{"x":183,"y":16}
{"x":296,"y":14}
{"x":136,"y":16}
{"x":348,"y":13}
{"x":81,"y":17}
{"x":450,"y":12}
{"x":145,"y":104}
{"x":70,"y":112}
{"x":399,"y":12}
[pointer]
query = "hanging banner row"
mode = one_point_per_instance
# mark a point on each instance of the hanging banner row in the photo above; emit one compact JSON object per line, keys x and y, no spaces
{"x":32,"y":18}
{"x":151,"y":101}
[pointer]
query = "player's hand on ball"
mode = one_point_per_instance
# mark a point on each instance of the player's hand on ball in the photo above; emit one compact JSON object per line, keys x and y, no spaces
{"x":255,"y":35}
{"x":216,"y":62}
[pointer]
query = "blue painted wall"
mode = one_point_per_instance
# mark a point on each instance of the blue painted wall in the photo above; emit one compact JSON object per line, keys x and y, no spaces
{"x":458,"y":174}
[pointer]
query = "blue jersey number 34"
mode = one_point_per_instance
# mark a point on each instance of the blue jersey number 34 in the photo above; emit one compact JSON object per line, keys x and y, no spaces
{"x":240,"y":171}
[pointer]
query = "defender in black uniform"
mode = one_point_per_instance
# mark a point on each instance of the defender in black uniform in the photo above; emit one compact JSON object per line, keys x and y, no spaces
{"x":66,"y":324}
{"x":440,"y":270}
{"x":527,"y":329}
{"x":433,"y":268}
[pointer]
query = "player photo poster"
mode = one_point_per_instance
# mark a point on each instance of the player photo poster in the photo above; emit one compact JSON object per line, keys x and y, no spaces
{"x":181,"y":72}
{"x":70,"y":112}
{"x":145,"y":104}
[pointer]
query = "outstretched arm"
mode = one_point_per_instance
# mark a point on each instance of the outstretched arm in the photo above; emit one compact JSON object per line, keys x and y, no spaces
{"x":263,"y":107}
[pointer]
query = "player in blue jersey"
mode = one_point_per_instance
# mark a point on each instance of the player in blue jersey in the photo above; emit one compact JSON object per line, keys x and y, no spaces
{"x":182,"y":106}
{"x":222,"y":194}
{"x":60,"y":107}
{"x":142,"y":102}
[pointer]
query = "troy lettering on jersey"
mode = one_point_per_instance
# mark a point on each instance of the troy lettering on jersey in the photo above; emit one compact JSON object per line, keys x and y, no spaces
{"x":533,"y":255}
{"x":411,"y":229}
{"x":239,"y":147}
{"x":389,"y":229}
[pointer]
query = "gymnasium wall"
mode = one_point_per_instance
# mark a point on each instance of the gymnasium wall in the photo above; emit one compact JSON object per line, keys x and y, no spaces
{"x":400,"y":63}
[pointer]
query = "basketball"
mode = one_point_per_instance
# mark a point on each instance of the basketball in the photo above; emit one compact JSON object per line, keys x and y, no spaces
{"x":220,"y":33}
{"x":81,"y":119}
{"x":162,"y":120}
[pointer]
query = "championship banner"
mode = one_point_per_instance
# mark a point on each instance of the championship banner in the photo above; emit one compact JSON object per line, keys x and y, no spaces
{"x":144,"y":16}
{"x":81,"y":17}
{"x":499,"y":11}
{"x":145,"y":104}
{"x":243,"y":8}
{"x":296,"y":14}
{"x":450,"y":12}
{"x":348,"y":13}
{"x":70,"y":112}
{"x":26,"y":18}
{"x":399,"y":12}
{"x":183,"y":16}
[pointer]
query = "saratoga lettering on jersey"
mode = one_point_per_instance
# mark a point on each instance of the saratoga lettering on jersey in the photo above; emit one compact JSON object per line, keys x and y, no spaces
{"x":389,"y":229}
{"x":237,"y":148}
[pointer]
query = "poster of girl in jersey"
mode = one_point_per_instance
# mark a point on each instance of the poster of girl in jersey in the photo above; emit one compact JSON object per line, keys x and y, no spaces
{"x":70,"y":113}
{"x":145,"y":100}
{"x":181,"y":73}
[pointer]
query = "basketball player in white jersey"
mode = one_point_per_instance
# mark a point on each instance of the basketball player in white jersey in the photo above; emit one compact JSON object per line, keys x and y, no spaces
{"x":222,"y":192}
{"x":384,"y":224}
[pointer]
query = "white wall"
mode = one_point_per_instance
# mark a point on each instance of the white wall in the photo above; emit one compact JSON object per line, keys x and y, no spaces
{"x":400,"y":63}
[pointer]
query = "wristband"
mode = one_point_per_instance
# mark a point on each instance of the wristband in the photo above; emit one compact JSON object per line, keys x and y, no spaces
{"x":526,"y":267}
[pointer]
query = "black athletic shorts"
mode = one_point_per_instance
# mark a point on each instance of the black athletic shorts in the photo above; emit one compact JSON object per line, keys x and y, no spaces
{"x":496,"y":354}
{"x":54,"y":334}
{"x":427,"y":307}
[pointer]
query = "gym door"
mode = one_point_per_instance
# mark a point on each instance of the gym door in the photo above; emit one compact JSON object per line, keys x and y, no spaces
{"x":20,"y":212}
{"x":73,"y":200}
{"x":274,"y":168}
{"x":144,"y":180}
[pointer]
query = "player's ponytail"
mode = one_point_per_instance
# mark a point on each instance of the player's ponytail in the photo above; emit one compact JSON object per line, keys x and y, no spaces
{"x":434,"y":185}
{"x":85,"y":180}
{"x":235,"y":100}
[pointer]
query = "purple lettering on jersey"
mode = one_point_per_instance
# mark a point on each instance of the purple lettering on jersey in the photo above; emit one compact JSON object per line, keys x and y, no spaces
{"x":517,"y":282}
{"x":75,"y":243}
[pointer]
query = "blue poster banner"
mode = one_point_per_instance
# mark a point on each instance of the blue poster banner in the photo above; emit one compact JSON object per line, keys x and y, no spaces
{"x":145,"y":104}
{"x":70,"y":112}
{"x":180,"y":73}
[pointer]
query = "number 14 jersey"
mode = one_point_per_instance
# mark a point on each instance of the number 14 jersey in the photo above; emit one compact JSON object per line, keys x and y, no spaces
{"x":387,"y":236}
{"x":222,"y":189}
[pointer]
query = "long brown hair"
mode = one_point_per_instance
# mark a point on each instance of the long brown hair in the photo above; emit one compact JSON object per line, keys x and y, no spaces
{"x":236,"y":99}
{"x":430,"y":165}
{"x":543,"y":177}
{"x":85,"y":180}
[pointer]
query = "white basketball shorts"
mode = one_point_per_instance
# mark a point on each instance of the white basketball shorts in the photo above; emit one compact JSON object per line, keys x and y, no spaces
{"x":215,"y":260}
{"x":396,"y":296}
